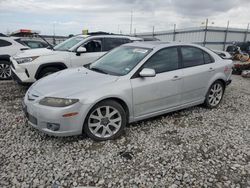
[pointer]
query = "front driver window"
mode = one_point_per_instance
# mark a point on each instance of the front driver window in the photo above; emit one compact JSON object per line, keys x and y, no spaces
{"x":163,"y":60}
{"x":93,"y":46}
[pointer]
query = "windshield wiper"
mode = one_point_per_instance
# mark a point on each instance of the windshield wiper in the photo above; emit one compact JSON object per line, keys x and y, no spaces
{"x":98,"y":70}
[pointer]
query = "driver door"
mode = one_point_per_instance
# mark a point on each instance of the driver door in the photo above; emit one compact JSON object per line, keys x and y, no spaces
{"x":94,"y":51}
{"x":162,"y":92}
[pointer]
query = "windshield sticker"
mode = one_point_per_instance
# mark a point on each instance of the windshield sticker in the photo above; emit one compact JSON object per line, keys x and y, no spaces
{"x":137,"y":50}
{"x":127,"y":69}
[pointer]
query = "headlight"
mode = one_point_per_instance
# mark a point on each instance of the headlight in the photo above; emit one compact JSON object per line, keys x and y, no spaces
{"x":25,"y":59}
{"x":57,"y":102}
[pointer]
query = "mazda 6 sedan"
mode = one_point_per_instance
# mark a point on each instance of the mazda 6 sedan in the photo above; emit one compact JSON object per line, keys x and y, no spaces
{"x":130,"y":83}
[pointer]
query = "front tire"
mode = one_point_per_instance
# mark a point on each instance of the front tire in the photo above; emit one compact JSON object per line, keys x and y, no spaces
{"x":105,"y":121}
{"x":214,"y":94}
{"x":5,"y":71}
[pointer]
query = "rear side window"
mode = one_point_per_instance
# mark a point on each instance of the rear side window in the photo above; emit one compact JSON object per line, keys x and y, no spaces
{"x":164,"y":60}
{"x":110,"y":43}
{"x":207,"y":58}
{"x":32,"y":44}
{"x":192,"y":56}
{"x":4,"y":43}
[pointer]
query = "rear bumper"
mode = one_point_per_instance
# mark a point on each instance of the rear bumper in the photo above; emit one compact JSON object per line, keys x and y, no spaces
{"x":228,"y":82}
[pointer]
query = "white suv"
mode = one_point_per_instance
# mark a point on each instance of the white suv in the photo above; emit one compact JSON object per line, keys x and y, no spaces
{"x":31,"y":65}
{"x":8,"y":47}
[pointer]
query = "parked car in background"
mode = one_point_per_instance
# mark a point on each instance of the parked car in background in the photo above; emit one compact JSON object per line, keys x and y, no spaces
{"x":31,"y":65}
{"x":223,"y":54}
{"x":151,"y":39}
{"x":33,"y":43}
{"x":132,"y":82}
{"x":10,"y":46}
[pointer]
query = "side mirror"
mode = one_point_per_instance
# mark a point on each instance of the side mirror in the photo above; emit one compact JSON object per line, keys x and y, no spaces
{"x":147,"y":72}
{"x":81,"y":50}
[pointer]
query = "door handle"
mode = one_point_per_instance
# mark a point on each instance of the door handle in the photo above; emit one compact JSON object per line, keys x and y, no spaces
{"x":176,"y":78}
{"x":211,"y":69}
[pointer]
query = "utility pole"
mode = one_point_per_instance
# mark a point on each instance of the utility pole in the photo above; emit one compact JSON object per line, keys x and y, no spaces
{"x":174,"y":32}
{"x":118,"y":29}
{"x":225,"y":39}
{"x":54,"y":33}
{"x":245,"y":38}
{"x":131,"y":22}
{"x":153,"y":33}
{"x":205,"y":34}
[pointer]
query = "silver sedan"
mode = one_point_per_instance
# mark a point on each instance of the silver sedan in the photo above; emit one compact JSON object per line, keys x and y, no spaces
{"x":130,"y":83}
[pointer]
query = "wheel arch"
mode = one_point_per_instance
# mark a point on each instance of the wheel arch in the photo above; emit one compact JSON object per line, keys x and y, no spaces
{"x":5,"y":57}
{"x":218,"y":76}
{"x":53,"y":64}
{"x":114,"y":98}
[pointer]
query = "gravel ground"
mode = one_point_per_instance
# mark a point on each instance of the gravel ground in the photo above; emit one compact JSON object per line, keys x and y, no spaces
{"x":196,"y":147}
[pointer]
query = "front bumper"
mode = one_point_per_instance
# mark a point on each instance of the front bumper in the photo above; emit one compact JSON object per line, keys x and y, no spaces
{"x":21,"y":73}
{"x":40,"y":116}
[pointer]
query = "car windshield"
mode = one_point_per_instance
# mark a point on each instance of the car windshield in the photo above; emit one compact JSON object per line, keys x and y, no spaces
{"x":120,"y":61}
{"x":69,"y":43}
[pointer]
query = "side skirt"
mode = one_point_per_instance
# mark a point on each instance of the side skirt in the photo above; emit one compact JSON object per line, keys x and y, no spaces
{"x":167,"y":111}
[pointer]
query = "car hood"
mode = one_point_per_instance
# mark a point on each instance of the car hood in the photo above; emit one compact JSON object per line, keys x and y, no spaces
{"x":35,"y":52}
{"x":71,"y":81}
{"x":38,"y":52}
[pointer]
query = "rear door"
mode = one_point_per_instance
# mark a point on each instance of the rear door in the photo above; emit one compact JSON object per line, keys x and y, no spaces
{"x":154,"y":94}
{"x":198,"y":67}
{"x":7,"y":48}
{"x":111,"y":43}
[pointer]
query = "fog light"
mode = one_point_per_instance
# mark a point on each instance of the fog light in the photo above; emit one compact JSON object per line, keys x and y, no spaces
{"x":53,"y":126}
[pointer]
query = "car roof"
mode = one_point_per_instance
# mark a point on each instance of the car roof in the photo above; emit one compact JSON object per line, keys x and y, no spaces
{"x":110,"y":36}
{"x":159,"y":44}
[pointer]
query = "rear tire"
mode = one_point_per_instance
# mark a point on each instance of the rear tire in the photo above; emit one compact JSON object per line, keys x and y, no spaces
{"x":215,"y":94}
{"x":5,"y":71}
{"x":47,"y":71}
{"x":105,"y":121}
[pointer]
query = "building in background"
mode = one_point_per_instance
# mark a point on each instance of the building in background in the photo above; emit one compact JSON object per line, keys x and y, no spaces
{"x":212,"y":37}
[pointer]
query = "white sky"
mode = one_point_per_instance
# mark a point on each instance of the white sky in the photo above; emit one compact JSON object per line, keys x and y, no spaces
{"x":71,"y":16}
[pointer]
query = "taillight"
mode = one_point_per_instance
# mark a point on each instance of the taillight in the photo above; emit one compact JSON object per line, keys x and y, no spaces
{"x":226,"y":69}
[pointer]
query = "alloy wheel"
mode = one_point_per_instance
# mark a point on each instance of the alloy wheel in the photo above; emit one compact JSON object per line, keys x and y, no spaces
{"x":5,"y":71}
{"x":215,"y":94}
{"x":104,"y":122}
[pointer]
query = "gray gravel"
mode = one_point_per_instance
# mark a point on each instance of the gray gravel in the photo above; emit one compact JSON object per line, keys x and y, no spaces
{"x":195,"y":147}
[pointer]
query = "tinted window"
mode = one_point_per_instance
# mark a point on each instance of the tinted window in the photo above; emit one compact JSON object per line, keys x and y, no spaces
{"x":110,"y":43}
{"x":192,"y":56}
{"x":93,"y":45}
{"x":163,"y":60}
{"x":4,"y":43}
{"x":34,"y":44}
{"x":207,"y":58}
